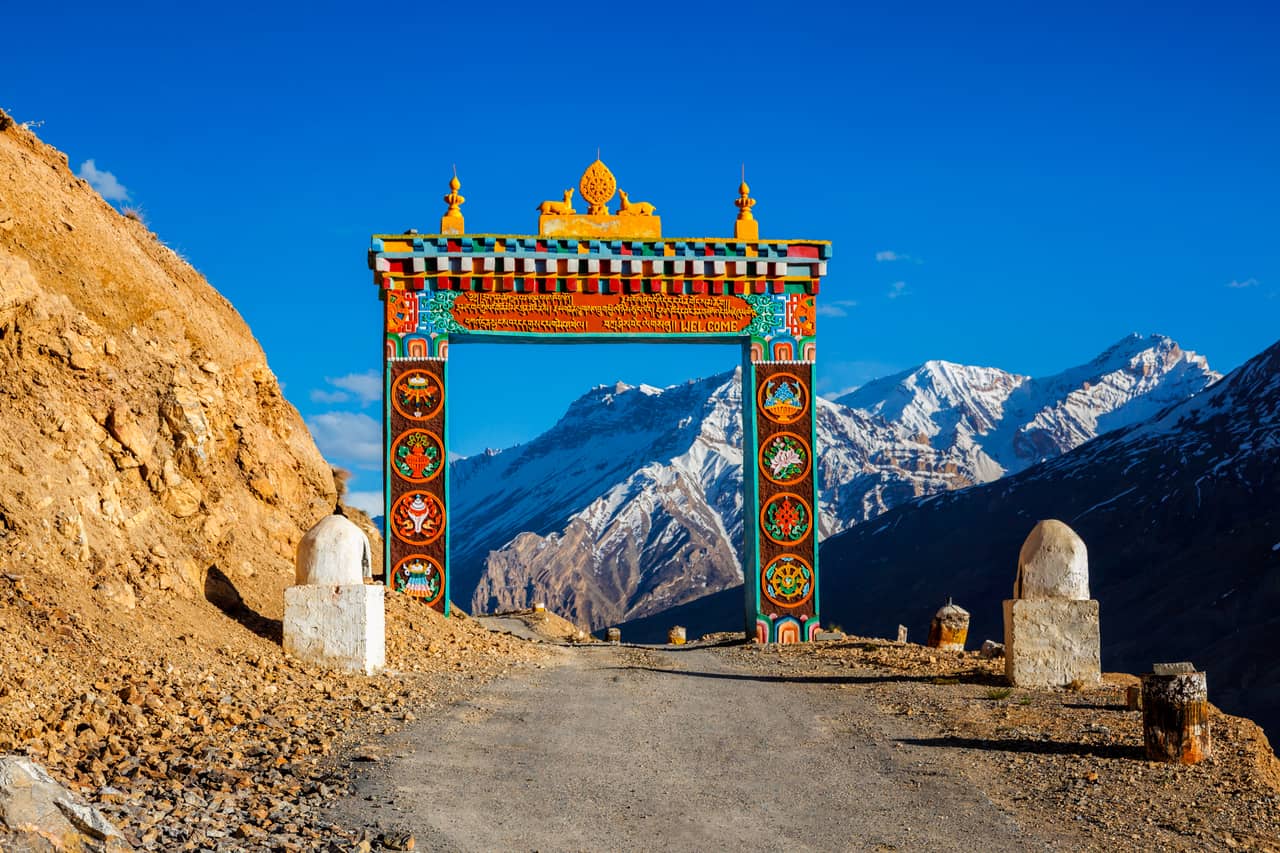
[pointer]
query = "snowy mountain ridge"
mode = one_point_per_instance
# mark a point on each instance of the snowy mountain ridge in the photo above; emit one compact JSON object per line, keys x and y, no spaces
{"x":632,"y":502}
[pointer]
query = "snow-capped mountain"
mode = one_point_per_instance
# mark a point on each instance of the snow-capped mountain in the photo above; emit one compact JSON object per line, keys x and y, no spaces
{"x":1002,"y":422}
{"x":632,"y":502}
{"x":1181,"y":515}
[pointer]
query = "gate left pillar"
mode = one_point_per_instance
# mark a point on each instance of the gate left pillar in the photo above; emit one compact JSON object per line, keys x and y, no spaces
{"x":416,"y":470}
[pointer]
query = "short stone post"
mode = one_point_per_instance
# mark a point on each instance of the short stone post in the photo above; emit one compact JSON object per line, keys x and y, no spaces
{"x":676,"y":636}
{"x":613,"y":635}
{"x":949,"y":628}
{"x":1175,"y":714}
{"x":1051,"y":632}
{"x":331,"y":617}
{"x":902,"y":633}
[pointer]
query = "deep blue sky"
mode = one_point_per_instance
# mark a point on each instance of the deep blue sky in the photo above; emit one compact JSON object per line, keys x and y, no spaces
{"x":1057,"y":177}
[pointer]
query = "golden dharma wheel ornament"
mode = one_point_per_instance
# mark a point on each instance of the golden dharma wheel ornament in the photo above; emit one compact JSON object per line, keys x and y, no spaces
{"x":597,"y":188}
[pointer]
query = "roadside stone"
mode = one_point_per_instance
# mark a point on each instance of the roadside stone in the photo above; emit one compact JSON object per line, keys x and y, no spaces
{"x":35,"y":808}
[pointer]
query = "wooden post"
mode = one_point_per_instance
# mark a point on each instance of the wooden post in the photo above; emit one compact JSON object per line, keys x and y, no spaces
{"x":1133,"y":697}
{"x":1175,"y":714}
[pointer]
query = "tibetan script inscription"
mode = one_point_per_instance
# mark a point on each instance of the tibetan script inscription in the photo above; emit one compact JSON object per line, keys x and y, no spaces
{"x":602,"y":314}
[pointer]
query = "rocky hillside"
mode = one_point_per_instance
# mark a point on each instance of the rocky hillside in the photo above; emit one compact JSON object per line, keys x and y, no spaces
{"x":146,"y":441}
{"x":631,"y":504}
{"x":1181,"y":514}
{"x":153,"y":486}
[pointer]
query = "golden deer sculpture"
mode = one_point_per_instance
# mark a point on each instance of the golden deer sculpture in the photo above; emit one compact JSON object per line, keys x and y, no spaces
{"x":558,"y":208}
{"x":629,"y":208}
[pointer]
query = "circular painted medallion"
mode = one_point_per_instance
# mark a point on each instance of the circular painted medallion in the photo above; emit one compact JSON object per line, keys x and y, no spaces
{"x":786,"y":518}
{"x":417,"y":394}
{"x":785,"y":458}
{"x":417,"y":455}
{"x":417,"y":518}
{"x":419,"y":576}
{"x":788,"y":581}
{"x":783,"y":398}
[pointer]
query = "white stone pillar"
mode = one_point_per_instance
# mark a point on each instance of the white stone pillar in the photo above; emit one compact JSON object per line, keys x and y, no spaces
{"x":1051,"y":626}
{"x":331,"y":617}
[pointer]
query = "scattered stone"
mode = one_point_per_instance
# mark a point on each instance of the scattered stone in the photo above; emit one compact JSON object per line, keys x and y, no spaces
{"x":676,"y":636}
{"x":41,"y":813}
{"x":991,"y":649}
{"x":613,"y":635}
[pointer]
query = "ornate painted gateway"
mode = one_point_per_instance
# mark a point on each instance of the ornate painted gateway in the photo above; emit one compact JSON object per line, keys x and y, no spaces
{"x":595,"y":277}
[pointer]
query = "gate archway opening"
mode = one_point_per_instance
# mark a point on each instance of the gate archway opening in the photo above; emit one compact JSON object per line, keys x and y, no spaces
{"x":597,"y":277}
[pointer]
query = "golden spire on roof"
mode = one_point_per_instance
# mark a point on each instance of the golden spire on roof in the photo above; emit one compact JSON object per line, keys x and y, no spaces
{"x":746,"y":228}
{"x":451,"y":222}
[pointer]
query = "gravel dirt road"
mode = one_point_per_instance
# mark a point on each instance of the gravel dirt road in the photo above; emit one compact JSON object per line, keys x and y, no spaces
{"x":617,"y":748}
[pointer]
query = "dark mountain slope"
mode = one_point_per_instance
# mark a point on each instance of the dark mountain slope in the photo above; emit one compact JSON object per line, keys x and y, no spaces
{"x":1181,"y":514}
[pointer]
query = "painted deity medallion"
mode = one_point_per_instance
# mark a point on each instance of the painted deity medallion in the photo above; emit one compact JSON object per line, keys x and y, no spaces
{"x":786,"y":518}
{"x":417,"y":455}
{"x":783,"y":398}
{"x":417,"y":394}
{"x":419,"y":576}
{"x":785,"y":458}
{"x":417,"y":518}
{"x":788,"y":581}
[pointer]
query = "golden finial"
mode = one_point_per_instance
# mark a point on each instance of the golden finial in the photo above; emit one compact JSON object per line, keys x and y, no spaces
{"x":452,"y":222}
{"x":746,"y":228}
{"x":597,"y":187}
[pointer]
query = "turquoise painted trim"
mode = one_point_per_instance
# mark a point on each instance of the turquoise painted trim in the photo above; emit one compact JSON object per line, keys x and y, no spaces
{"x":750,"y":497}
{"x":387,"y":580}
{"x":448,"y":477}
{"x":817,"y":511}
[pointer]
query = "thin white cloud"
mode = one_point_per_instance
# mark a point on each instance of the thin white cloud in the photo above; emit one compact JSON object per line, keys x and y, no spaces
{"x":329,"y":397}
{"x":370,"y":502}
{"x":898,"y":288}
{"x":838,"y":378}
{"x":889,"y":256}
{"x":102,"y":181}
{"x":1238,"y":285}
{"x":348,"y":438}
{"x":838,"y":308}
{"x":367,"y":386}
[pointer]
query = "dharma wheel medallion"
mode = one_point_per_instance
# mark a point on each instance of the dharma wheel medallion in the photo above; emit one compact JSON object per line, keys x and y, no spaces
{"x":788,"y":581}
{"x":597,"y":187}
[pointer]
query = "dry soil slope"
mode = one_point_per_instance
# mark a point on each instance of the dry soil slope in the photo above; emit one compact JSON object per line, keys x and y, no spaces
{"x":147,"y":456}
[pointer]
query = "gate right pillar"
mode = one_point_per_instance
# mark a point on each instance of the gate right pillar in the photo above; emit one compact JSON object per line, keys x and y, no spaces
{"x":781,"y":508}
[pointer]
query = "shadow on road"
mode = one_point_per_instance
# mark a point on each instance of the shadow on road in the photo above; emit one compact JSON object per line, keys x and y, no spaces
{"x":1045,"y":747}
{"x":782,"y":679}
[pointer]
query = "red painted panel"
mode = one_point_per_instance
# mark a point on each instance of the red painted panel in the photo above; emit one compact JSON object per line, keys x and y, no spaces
{"x":802,"y":251}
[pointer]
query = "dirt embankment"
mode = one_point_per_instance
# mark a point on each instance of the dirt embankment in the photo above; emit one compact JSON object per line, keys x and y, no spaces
{"x":154,"y":484}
